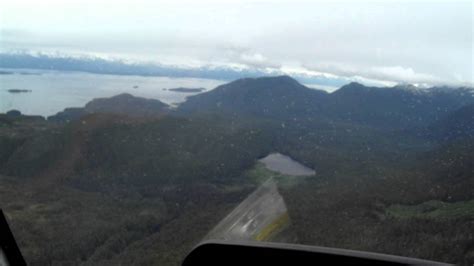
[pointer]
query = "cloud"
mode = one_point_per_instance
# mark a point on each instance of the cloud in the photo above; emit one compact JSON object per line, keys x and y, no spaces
{"x":257,"y":60}
{"x":399,"y":42}
{"x":401,"y":74}
{"x":13,"y":33}
{"x":397,"y":74}
{"x":235,"y":54}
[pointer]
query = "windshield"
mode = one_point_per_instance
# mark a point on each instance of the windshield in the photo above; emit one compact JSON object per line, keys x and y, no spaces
{"x":131,"y":131}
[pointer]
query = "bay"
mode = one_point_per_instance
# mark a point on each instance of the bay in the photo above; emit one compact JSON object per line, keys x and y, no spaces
{"x":52,"y":91}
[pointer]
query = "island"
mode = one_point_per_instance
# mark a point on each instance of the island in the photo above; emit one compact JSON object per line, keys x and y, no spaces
{"x":187,"y":90}
{"x":18,"y":91}
{"x":29,"y":73}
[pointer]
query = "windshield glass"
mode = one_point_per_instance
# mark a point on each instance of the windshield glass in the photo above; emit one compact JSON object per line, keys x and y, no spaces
{"x":131,"y":131}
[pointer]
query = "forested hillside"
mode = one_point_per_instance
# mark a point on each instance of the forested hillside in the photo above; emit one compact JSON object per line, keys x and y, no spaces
{"x":128,"y":180}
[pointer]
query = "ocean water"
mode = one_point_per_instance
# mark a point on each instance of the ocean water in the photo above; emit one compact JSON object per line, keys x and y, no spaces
{"x":52,"y":91}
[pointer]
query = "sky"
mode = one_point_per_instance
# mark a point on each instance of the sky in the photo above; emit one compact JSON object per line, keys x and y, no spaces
{"x":427,"y":42}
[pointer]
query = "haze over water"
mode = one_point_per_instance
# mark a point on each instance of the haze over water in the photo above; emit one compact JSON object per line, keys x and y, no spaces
{"x":52,"y":91}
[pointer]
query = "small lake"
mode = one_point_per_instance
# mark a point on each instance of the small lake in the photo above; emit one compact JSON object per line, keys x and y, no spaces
{"x":283,"y":164}
{"x":46,"y":92}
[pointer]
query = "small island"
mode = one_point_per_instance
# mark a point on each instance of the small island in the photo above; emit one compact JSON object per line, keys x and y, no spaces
{"x":5,"y":72}
{"x":187,"y":90}
{"x":29,"y":73}
{"x":18,"y":91}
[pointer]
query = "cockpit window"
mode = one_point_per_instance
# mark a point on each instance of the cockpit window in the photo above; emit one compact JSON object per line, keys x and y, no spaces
{"x":131,"y":131}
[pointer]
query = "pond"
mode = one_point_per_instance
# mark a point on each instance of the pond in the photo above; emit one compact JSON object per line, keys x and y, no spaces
{"x":283,"y":164}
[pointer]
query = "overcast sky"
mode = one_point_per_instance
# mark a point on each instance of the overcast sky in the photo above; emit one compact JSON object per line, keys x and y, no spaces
{"x":398,"y":41}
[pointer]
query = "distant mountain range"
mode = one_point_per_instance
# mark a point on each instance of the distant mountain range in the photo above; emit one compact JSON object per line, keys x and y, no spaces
{"x":117,"y":67}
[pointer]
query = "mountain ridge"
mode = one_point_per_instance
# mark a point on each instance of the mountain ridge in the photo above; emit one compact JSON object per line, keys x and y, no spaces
{"x":122,"y":104}
{"x":284,"y":97}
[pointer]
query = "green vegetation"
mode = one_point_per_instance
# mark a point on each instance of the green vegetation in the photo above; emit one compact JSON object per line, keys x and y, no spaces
{"x":433,"y":209}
